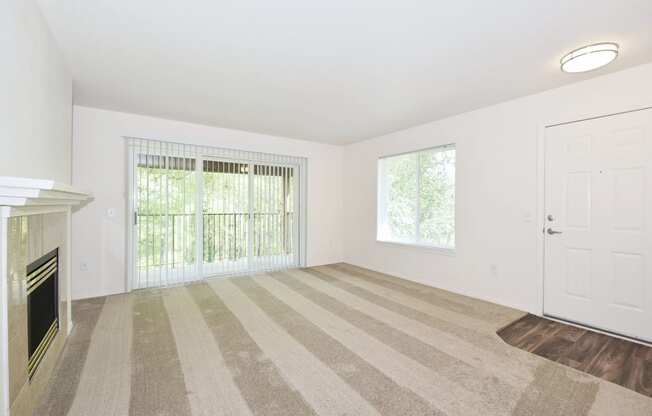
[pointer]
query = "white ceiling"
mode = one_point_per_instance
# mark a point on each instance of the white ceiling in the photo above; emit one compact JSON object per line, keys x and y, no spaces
{"x":334,"y":71}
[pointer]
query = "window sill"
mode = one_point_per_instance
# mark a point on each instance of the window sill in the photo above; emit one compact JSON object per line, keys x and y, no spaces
{"x":439,"y":250}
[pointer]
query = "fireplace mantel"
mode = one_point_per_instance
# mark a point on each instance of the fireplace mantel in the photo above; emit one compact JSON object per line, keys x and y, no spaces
{"x":23,"y":195}
{"x":43,"y":209}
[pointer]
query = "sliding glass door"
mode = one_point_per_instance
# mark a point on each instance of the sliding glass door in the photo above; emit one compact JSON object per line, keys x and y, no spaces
{"x":201,"y":212}
{"x":164,"y":219}
{"x":272,"y":216}
{"x":225,"y":217}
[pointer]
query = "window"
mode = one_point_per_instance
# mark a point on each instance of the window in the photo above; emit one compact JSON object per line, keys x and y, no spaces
{"x":416,"y":198}
{"x":202,"y":211}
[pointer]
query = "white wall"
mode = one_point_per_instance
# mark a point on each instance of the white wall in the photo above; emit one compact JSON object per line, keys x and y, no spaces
{"x":99,"y":166}
{"x":35,"y":112}
{"x":36,"y":106}
{"x":498,"y":189}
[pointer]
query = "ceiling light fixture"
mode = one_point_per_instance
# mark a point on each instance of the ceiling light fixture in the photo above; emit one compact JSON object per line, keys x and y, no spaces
{"x":588,"y":58}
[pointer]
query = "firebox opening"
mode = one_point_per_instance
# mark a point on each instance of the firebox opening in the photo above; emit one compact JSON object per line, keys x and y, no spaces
{"x":42,"y":307}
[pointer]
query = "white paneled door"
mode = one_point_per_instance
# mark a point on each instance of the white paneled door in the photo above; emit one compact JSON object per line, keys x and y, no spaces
{"x":598,"y":223}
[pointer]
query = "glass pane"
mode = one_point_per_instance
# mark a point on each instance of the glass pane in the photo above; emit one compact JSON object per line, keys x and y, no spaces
{"x":225,"y":216}
{"x":399,"y":180}
{"x":437,"y":197}
{"x":166,"y":190}
{"x":274,"y":220}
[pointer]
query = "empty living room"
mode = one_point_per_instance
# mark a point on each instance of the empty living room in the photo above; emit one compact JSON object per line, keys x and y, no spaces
{"x":326,"y":208}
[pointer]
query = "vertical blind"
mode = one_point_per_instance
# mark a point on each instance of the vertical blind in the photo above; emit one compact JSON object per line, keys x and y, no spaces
{"x":200,"y":211}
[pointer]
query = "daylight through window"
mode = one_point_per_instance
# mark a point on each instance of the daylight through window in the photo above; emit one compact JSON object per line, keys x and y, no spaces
{"x":416,"y":198}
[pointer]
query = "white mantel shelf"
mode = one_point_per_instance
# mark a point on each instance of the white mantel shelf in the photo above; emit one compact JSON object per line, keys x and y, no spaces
{"x":21,"y":195}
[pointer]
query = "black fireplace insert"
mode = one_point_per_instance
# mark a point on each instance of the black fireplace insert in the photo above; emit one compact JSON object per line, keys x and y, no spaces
{"x":42,"y":307}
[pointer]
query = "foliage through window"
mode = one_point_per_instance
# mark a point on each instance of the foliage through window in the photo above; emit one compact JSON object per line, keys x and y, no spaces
{"x":202,"y":211}
{"x":416,"y":198}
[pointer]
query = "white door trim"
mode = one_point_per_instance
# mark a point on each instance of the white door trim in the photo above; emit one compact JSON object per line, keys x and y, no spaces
{"x":541,"y":197}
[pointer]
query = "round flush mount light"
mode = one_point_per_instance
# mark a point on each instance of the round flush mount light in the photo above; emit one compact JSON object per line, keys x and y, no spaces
{"x":589,"y":57}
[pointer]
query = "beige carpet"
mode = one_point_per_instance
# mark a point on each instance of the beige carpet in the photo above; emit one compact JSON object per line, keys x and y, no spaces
{"x":329,"y":340}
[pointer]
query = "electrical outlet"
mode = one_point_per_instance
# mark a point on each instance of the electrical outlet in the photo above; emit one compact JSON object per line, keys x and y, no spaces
{"x":83,"y":266}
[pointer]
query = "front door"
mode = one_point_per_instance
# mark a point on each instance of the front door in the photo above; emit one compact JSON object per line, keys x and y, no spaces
{"x":598,"y":208}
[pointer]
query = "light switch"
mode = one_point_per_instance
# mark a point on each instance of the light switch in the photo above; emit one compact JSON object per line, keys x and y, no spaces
{"x":110,"y":213}
{"x":494,"y":270}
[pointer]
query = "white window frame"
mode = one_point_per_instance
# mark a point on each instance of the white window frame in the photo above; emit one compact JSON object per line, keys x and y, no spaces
{"x":381,"y":211}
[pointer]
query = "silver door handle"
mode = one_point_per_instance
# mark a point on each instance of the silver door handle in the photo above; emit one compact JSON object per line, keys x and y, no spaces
{"x":553,"y":232}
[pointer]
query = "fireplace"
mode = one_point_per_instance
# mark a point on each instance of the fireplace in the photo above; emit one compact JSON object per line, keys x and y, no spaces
{"x":35,"y":226}
{"x":42,"y":307}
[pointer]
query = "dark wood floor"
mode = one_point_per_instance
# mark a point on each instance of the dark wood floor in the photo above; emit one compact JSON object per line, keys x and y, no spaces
{"x":613,"y":359}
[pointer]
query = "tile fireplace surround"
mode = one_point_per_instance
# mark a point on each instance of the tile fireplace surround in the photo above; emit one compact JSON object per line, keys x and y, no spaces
{"x":34,"y":220}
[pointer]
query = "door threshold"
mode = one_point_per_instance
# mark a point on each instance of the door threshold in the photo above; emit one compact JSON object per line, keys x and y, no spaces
{"x":599,"y":330}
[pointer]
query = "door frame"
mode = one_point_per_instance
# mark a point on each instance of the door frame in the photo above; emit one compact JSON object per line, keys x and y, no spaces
{"x":609,"y":111}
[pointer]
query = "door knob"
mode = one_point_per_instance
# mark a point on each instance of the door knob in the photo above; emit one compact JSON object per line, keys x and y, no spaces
{"x":553,"y":232}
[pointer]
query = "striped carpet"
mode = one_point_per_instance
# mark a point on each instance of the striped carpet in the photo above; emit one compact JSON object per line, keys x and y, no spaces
{"x":328,"y":340}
